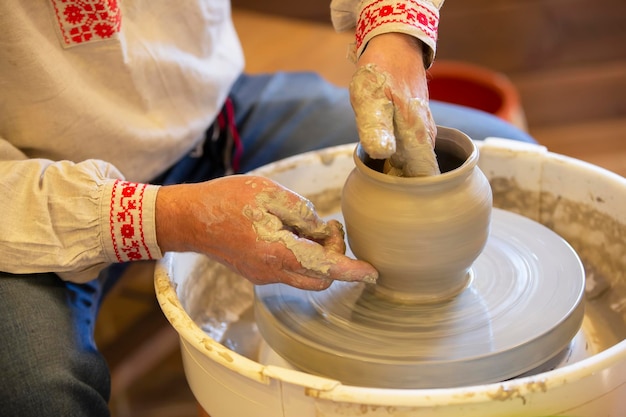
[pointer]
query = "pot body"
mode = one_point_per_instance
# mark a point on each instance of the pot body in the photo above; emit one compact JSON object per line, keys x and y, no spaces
{"x":421,"y":233}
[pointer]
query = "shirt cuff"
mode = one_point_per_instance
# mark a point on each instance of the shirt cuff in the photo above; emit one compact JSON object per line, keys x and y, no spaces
{"x":412,"y":17}
{"x":129,"y":227}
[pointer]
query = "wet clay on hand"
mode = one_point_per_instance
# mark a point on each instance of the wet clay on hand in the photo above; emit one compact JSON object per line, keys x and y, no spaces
{"x":283,"y":217}
{"x":393,"y":125}
{"x":296,"y":225}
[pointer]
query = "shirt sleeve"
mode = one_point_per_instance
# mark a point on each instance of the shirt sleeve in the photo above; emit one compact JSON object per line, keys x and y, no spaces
{"x":418,"y":18}
{"x":71,"y":218}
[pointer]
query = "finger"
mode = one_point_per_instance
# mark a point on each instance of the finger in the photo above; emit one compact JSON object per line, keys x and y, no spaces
{"x":305,"y":282}
{"x":414,"y":121}
{"x":348,"y":269}
{"x":336,"y":240}
{"x":416,"y":155}
{"x":295,"y":212}
{"x":308,"y":258}
{"x":281,"y":266}
{"x":333,"y":265}
{"x":341,"y":268}
{"x":373,"y":110}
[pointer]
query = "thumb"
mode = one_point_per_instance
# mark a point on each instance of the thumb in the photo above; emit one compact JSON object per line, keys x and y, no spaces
{"x":297,"y":213}
{"x":373,"y":110}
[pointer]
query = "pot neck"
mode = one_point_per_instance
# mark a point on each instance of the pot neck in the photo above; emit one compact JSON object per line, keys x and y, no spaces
{"x":456,"y":153}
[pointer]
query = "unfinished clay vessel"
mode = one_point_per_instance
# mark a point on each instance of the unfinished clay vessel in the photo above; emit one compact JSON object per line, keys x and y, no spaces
{"x":421,"y":233}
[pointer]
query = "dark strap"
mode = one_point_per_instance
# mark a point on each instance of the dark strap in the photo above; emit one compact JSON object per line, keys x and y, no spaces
{"x":225,"y":133}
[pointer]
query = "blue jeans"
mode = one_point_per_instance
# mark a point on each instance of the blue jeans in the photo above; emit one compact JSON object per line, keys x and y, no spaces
{"x":49,"y":362}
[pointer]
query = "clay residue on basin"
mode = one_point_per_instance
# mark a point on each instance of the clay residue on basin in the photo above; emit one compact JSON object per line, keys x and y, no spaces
{"x":599,"y":241}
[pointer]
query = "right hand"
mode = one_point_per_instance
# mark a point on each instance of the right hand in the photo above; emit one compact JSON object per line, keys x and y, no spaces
{"x":389,"y":95}
{"x":260,"y":229}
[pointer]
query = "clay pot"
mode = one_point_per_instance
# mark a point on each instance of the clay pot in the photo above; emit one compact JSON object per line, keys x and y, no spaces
{"x":421,"y":233}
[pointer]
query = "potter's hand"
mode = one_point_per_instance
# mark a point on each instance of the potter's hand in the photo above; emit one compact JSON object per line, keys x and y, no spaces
{"x":258,"y":228}
{"x":389,"y":95}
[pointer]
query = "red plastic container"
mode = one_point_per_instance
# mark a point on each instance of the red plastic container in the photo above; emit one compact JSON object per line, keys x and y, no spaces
{"x":477,"y":87}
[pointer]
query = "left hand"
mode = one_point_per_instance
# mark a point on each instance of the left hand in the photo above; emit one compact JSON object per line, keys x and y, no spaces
{"x":258,"y":228}
{"x":389,"y":95}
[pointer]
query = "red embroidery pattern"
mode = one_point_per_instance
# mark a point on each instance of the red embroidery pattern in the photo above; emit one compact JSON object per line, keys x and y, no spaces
{"x":126,"y":221}
{"x":386,"y":11}
{"x":82,"y":21}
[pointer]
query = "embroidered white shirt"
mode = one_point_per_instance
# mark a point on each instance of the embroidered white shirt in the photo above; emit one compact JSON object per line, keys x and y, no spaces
{"x":98,"y":96}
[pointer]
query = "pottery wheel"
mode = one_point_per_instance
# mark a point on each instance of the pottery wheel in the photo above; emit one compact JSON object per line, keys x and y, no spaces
{"x":522,"y":307}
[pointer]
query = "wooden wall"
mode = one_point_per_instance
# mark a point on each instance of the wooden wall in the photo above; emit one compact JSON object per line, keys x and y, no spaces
{"x":567,"y":57}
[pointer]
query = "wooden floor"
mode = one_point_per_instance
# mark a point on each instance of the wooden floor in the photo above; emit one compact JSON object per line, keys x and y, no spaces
{"x":574,"y":106}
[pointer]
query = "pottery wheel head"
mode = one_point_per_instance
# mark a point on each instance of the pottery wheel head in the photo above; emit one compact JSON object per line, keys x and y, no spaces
{"x":523,"y":306}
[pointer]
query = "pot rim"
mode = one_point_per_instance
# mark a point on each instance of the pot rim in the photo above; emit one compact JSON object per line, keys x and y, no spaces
{"x":453,"y":138}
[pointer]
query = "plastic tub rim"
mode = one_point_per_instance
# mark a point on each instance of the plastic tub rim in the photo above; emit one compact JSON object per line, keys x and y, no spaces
{"x":329,"y":389}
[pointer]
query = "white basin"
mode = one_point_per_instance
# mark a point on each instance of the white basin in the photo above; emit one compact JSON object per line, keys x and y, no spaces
{"x":585,"y":204}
